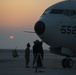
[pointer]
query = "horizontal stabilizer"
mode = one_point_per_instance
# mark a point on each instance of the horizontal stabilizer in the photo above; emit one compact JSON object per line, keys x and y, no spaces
{"x":29,"y":31}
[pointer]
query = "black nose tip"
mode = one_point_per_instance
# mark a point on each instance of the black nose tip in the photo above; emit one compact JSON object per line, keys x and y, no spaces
{"x":39,"y":27}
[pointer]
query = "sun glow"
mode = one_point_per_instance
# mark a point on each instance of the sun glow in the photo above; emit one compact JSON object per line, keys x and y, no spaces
{"x":17,"y":16}
{"x":11,"y":37}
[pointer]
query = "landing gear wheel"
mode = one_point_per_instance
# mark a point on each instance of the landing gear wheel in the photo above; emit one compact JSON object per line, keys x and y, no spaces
{"x":70,"y":63}
{"x":64,"y":63}
{"x":67,"y":63}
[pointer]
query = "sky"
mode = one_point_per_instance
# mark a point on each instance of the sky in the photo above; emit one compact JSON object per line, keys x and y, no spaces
{"x":17,"y":16}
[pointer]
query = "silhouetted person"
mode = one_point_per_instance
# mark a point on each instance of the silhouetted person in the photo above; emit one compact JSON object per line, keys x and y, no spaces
{"x":35,"y":51}
{"x":27,"y":55}
{"x":38,"y":53}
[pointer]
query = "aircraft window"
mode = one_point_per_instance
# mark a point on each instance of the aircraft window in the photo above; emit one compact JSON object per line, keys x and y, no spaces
{"x":56,"y":11}
{"x":73,"y":12}
{"x":67,"y":12}
{"x":61,"y":11}
{"x":46,"y":12}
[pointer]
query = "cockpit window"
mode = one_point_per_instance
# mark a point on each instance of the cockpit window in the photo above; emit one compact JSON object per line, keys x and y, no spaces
{"x":73,"y":12}
{"x":66,"y":12}
{"x":56,"y":11}
{"x":46,"y":12}
{"x":63,"y":11}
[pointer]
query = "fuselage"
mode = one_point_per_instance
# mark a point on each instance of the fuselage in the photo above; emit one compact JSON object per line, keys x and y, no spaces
{"x":57,"y":25}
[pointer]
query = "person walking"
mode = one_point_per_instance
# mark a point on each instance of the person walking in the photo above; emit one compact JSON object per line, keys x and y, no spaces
{"x":27,"y":55}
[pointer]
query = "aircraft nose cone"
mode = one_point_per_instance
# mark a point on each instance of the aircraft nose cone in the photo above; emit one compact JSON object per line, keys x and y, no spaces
{"x":39,"y":27}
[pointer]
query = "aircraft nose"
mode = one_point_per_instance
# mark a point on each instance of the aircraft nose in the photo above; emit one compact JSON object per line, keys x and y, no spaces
{"x":39,"y":27}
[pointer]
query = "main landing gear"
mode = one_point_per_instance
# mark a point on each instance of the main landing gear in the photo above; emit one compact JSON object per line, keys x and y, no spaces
{"x":67,"y":62}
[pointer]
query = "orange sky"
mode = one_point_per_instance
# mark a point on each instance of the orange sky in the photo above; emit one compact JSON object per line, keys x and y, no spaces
{"x":17,"y":16}
{"x":22,"y":13}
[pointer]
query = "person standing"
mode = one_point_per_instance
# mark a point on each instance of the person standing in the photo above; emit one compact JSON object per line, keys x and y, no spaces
{"x":38,"y":58}
{"x":35,"y":51}
{"x":38,"y":53}
{"x":41,"y":54}
{"x":27,"y":55}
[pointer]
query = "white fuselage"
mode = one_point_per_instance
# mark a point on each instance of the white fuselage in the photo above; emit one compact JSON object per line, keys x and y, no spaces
{"x":60,"y":25}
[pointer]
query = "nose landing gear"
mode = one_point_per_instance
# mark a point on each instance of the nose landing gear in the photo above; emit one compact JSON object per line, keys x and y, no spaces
{"x":67,"y":62}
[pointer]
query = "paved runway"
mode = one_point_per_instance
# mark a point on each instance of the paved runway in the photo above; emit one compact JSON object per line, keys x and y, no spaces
{"x":16,"y":66}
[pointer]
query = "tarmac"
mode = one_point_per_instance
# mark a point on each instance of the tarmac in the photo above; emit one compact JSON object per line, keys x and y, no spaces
{"x":16,"y":66}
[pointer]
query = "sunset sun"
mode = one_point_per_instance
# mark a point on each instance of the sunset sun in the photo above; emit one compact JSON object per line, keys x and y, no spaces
{"x":11,"y":37}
